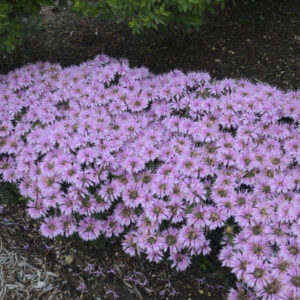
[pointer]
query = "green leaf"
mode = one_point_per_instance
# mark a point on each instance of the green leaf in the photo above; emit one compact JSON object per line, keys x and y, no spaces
{"x":46,"y":2}
{"x":63,"y":3}
{"x":189,"y":209}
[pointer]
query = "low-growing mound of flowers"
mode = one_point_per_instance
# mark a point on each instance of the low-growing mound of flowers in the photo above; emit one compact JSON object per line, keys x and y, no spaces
{"x":161,"y":161}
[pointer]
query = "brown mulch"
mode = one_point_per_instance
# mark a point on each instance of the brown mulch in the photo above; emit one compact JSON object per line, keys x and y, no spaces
{"x":21,"y":280}
{"x":258,"y":40}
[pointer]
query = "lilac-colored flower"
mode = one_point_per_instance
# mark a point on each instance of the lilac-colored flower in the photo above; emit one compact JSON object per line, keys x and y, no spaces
{"x":129,"y":245}
{"x":198,"y":217}
{"x":67,"y":225}
{"x":291,"y":279}
{"x":86,"y":205}
{"x":291,"y":250}
{"x":154,"y":255}
{"x":110,"y":191}
{"x":273,"y":289}
{"x":124,"y":214}
{"x":150,"y":242}
{"x":279,"y":265}
{"x":144,"y":224}
{"x":133,"y":195}
{"x":226,"y":254}
{"x":160,"y":186}
{"x":192,"y":238}
{"x":240,"y":293}
{"x":277,"y":234}
{"x":89,"y":229}
{"x":180,"y":261}
{"x":86,"y":155}
{"x":239,"y":264}
{"x":176,"y":210}
{"x":51,"y":227}
{"x":171,"y":242}
{"x":215,"y":217}
{"x":257,"y":274}
{"x":157,"y":211}
{"x":36,"y":209}
{"x":68,"y":204}
{"x":244,"y":216}
{"x":258,"y":249}
{"x":111,"y":226}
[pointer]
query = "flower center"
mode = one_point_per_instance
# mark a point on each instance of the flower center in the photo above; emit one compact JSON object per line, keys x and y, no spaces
{"x":146,"y":179}
{"x":171,"y":240}
{"x":293,"y":250}
{"x":133,"y":195}
{"x":258,"y":273}
{"x":295,"y":280}
{"x":272,"y":288}
{"x":257,"y":229}
{"x":157,"y":210}
{"x":188,"y":164}
{"x":151,"y":240}
{"x":191,"y":235}
{"x":222,"y":193}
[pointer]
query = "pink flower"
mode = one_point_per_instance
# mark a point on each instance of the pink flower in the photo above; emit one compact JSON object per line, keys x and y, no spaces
{"x":111,"y":226}
{"x":240,"y":293}
{"x":180,"y":261}
{"x":86,"y":155}
{"x":157,"y":211}
{"x":89,"y":228}
{"x":124,"y":214}
{"x":50,"y":227}
{"x":36,"y":209}
{"x":176,"y":210}
{"x":129,"y":245}
{"x":67,"y":225}
{"x":257,"y":274}
{"x":192,"y":238}
{"x":133,"y":195}
{"x":273,"y":289}
{"x":291,"y":250}
{"x":291,"y":280}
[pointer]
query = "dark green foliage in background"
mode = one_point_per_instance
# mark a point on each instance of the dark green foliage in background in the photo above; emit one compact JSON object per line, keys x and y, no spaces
{"x":142,"y":14}
{"x":19,"y":18}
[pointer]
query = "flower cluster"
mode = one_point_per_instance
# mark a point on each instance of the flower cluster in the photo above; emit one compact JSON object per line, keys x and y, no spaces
{"x":105,"y":149}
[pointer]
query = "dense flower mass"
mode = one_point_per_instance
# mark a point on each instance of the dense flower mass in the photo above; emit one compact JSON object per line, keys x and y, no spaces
{"x":104,"y":149}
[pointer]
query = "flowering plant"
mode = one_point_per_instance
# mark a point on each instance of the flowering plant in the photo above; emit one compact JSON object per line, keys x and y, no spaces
{"x":103,"y":149}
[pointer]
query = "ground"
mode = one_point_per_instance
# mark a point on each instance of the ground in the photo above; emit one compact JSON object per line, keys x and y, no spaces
{"x":258,"y":40}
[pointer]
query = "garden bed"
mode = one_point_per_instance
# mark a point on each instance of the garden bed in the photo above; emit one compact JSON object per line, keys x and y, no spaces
{"x":259,"y":42}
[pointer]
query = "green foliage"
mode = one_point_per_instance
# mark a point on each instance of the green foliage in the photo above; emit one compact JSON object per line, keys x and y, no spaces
{"x":141,"y":14}
{"x":18,"y":18}
{"x":9,"y":193}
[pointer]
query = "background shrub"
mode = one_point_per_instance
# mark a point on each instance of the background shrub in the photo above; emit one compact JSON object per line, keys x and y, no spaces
{"x":18,"y":18}
{"x":140,"y":14}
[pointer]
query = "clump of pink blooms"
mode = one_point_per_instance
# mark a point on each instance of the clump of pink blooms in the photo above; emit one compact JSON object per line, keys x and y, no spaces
{"x":160,"y":160}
